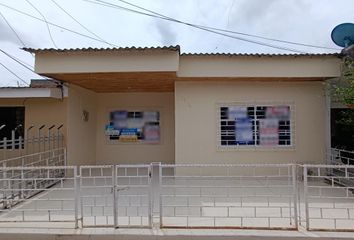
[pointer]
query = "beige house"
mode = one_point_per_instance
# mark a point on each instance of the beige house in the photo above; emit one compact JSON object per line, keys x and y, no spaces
{"x":143,"y":105}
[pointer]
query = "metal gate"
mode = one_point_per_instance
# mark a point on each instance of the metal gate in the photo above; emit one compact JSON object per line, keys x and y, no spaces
{"x":115,"y":196}
{"x":96,"y":195}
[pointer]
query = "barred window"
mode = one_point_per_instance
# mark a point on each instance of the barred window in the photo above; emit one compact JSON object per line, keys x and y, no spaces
{"x":255,"y":125}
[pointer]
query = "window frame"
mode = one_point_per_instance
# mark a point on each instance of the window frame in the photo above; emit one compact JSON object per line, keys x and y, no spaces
{"x":254,"y":146}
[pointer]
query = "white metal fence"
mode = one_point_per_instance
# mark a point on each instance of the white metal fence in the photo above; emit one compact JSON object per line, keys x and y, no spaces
{"x":340,"y":157}
{"x":329,"y":197}
{"x":44,"y":139}
{"x":261,"y":196}
{"x":39,"y":194}
{"x":96,"y":195}
{"x":229,"y":196}
{"x":115,"y":195}
{"x":18,"y":176}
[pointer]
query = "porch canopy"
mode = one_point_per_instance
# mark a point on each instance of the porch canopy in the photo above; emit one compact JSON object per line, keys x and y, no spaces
{"x":155,"y":69}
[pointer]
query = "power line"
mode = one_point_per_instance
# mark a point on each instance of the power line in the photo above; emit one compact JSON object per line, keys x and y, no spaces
{"x":29,"y":67}
{"x":45,"y":20}
{"x":52,"y":24}
{"x":12,"y":29}
{"x":107,"y":4}
{"x":134,"y":11}
{"x":228,"y":31}
{"x":83,"y":26}
{"x":13,"y":73}
{"x":22,"y":63}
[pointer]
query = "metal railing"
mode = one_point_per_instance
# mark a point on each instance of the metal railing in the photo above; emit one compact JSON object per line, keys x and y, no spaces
{"x":229,"y":196}
{"x":260,"y":196}
{"x":115,"y":195}
{"x":18,"y":178}
{"x":340,"y":156}
{"x":96,"y":195}
{"x":329,"y":197}
{"x":33,"y":142}
{"x":43,"y":194}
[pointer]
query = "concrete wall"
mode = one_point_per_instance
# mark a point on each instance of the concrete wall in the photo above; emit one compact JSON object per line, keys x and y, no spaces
{"x":81,"y":134}
{"x":123,"y":61}
{"x":38,"y":111}
{"x":196,"y":121}
{"x":109,"y":152}
{"x":261,"y":67}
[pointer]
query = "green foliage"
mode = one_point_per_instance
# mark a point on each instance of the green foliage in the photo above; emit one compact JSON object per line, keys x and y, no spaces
{"x":345,"y":93}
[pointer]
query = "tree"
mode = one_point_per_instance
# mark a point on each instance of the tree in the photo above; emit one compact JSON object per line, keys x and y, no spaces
{"x":345,"y":92}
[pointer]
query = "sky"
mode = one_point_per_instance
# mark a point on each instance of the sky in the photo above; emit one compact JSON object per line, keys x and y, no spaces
{"x":304,"y":21}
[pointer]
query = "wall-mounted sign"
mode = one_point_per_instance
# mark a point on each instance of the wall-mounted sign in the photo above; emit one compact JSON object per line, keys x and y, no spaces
{"x":134,"y":126}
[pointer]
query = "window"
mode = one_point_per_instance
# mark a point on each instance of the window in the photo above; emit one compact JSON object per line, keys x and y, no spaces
{"x":12,"y":119}
{"x":254,"y":125}
{"x":134,"y":126}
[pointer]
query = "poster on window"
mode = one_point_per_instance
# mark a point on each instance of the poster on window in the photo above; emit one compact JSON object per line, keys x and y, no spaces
{"x":244,"y":131}
{"x":268,"y":132}
{"x":278,"y":112}
{"x":133,"y":126}
{"x":237,"y":113}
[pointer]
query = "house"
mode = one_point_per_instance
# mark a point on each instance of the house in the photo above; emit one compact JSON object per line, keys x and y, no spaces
{"x":143,"y":105}
{"x":150,"y":137}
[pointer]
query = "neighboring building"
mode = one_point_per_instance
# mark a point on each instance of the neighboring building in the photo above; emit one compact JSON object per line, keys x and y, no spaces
{"x":25,"y":109}
{"x":186,"y":108}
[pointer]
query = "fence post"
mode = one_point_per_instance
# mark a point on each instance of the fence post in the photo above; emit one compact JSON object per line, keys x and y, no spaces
{"x":4,"y":147}
{"x":12,"y":139}
{"x":295,"y":194}
{"x":155,"y":192}
{"x":20,"y":145}
{"x":306,"y":199}
{"x":4,"y":176}
{"x":77,"y":196}
{"x":114,"y":187}
{"x":65,"y":157}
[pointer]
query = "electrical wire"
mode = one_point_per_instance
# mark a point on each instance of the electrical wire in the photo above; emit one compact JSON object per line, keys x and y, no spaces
{"x":12,"y":29}
{"x":107,"y":4}
{"x":22,"y":63}
{"x":45,"y":20}
{"x":134,"y":11}
{"x":29,"y":67}
{"x":13,"y":73}
{"x":78,"y":22}
{"x":52,"y":24}
{"x":225,"y":30}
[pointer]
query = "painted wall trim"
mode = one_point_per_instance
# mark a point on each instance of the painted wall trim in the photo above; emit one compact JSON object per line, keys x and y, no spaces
{"x":32,"y":93}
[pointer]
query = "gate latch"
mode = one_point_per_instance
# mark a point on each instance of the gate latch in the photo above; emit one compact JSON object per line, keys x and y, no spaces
{"x":119,"y":189}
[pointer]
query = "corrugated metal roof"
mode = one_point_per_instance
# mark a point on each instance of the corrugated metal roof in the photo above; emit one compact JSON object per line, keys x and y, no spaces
{"x":177,"y":48}
{"x":265,"y":54}
{"x":70,"y":50}
{"x":19,"y":87}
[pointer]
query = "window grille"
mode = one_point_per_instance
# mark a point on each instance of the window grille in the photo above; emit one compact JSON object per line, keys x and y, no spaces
{"x":254,"y":125}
